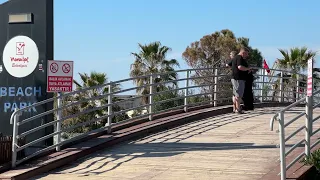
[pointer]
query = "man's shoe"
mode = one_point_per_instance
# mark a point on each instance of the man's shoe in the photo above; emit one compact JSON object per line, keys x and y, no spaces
{"x":239,"y":111}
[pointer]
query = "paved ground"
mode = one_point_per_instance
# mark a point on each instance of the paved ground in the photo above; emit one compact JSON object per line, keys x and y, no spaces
{"x":225,"y":147}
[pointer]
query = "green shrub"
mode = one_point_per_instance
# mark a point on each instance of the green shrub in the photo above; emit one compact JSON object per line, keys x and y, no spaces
{"x":313,"y":160}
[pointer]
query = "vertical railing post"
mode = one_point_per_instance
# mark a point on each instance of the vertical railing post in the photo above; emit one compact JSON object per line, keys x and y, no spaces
{"x":281,"y":87}
{"x":110,"y":114}
{"x":262,"y":84}
{"x":211,"y":96}
{"x":297,"y":88}
{"x":58,"y":125}
{"x":308,"y":124}
{"x":14,"y":138}
{"x":282,"y":146}
{"x":307,"y":127}
{"x":215,"y":93}
{"x":309,"y":102}
{"x":186,"y":93}
{"x":151,"y":98}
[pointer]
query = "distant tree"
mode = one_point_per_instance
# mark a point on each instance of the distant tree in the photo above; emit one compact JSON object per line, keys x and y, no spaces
{"x":213,"y":51}
{"x":169,"y":93}
{"x":94,"y":79}
{"x":152,"y":58}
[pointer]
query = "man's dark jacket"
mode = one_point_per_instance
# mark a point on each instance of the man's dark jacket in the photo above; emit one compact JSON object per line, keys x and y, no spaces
{"x":248,"y":93}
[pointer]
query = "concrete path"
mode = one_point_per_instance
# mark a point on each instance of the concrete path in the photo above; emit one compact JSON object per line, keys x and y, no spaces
{"x":227,"y":147}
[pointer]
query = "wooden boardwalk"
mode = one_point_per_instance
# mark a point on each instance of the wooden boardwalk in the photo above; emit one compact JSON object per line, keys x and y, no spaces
{"x":230,"y":146}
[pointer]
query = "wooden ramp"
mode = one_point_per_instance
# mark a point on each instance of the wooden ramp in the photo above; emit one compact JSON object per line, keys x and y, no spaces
{"x":229,"y":146}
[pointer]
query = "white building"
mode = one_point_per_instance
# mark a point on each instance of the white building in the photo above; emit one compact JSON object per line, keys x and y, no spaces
{"x":130,"y":101}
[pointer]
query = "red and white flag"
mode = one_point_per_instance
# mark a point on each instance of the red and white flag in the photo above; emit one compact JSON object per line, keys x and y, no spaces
{"x":265,"y":66}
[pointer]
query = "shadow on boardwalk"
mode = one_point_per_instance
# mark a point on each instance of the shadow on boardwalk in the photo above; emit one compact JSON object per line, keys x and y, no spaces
{"x":166,"y":144}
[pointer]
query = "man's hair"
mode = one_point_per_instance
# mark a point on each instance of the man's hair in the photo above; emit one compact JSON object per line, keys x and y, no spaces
{"x":244,"y":49}
{"x":233,"y":53}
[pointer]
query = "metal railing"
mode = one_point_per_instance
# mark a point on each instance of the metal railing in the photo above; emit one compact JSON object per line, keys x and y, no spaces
{"x":96,"y":109}
{"x":309,"y":102}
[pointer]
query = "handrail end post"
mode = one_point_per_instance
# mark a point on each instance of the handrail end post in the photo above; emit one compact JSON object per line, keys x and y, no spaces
{"x":283,"y":166}
{"x":308,"y":124}
{"x":58,"y":124}
{"x":271,"y":124}
{"x":14,"y":137}
{"x":272,"y":121}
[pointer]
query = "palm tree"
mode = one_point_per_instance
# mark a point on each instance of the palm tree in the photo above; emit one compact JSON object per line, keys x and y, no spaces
{"x":95,"y":79}
{"x":296,"y":61}
{"x":152,"y":59}
{"x":91,"y":80}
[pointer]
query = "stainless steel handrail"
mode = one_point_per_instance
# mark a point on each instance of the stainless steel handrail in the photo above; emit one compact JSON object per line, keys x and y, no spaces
{"x":285,"y":109}
{"x":307,"y":127}
{"x":213,"y":94}
{"x":124,"y":80}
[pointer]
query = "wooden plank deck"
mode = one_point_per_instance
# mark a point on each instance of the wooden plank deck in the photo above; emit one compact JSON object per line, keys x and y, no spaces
{"x":228,"y":146}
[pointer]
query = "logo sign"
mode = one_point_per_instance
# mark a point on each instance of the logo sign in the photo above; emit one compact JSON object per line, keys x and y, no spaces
{"x":60,"y":76}
{"x":310,"y":73}
{"x":20,"y":56}
{"x":20,"y":48}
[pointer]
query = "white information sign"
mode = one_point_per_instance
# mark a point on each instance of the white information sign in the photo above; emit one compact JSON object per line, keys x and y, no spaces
{"x":20,"y":56}
{"x":310,"y":73}
{"x":59,"y":76}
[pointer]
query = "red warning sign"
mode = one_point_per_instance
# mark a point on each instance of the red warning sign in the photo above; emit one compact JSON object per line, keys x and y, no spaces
{"x":66,"y":68}
{"x":60,"y":76}
{"x":310,"y":78}
{"x":54,"y":67}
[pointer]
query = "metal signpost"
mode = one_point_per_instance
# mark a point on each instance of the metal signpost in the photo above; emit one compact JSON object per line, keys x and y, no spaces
{"x":309,"y":107}
{"x":59,"y":79}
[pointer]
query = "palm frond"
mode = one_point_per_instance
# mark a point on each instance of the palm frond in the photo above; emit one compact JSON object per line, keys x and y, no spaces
{"x":77,"y":84}
{"x":151,"y":59}
{"x":296,"y":59}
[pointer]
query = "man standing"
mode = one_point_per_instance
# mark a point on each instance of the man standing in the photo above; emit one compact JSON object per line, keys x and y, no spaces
{"x":240,"y":71}
{"x":232,"y":55}
{"x":248,"y":98}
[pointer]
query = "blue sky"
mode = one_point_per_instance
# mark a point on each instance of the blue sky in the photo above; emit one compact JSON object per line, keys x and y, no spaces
{"x":100,"y":36}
